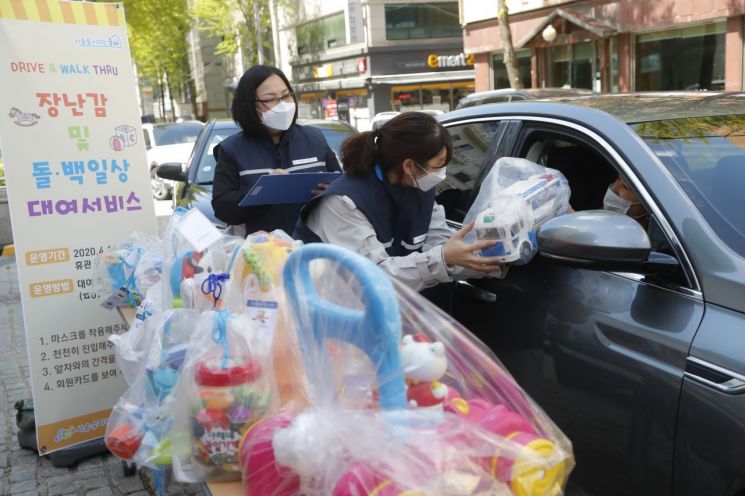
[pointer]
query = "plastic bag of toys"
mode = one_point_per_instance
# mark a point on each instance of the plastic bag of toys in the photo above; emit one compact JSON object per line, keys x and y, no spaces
{"x":140,"y":424}
{"x":197,"y":259}
{"x":515,"y":199}
{"x":402,"y":399}
{"x":130,"y":269}
{"x":226,"y":386}
{"x":255,"y":290}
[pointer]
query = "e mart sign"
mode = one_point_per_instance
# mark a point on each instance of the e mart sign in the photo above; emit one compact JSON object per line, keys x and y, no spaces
{"x":435,"y":61}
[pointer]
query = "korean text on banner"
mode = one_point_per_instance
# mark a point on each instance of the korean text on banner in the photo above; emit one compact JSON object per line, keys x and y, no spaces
{"x":77,"y":183}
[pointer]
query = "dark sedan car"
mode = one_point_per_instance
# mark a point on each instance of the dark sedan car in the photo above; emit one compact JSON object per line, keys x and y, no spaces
{"x":195,"y":183}
{"x":632,"y":338}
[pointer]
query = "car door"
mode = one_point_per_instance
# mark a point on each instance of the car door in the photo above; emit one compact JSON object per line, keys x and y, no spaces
{"x":603,"y":353}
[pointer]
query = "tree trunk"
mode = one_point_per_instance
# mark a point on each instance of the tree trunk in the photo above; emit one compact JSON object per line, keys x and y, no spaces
{"x":170,"y":95}
{"x":508,"y":51}
{"x":259,"y":41}
{"x":162,"y":97}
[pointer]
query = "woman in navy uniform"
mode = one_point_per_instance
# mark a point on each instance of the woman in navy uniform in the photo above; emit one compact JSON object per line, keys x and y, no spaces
{"x":271,"y":142}
{"x":384,"y":205}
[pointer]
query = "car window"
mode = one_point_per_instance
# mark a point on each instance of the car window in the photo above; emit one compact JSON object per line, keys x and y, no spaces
{"x":589,"y":173}
{"x":173,"y":134}
{"x":335,"y":137}
{"x":706,"y":155}
{"x":147,"y":139}
{"x":206,"y":166}
{"x":472,"y":144}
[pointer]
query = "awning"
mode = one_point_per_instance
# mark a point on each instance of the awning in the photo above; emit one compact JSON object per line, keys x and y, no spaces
{"x":424,"y":77}
{"x":589,"y":24}
{"x":330,"y":85}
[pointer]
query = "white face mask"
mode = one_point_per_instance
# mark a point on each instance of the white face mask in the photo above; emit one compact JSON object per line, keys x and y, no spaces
{"x":279,"y":117}
{"x":615,"y":203}
{"x":431,"y":179}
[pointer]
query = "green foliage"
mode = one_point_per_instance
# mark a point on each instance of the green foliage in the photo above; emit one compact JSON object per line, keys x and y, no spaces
{"x":235,"y":23}
{"x":158,"y":31}
{"x":2,"y":173}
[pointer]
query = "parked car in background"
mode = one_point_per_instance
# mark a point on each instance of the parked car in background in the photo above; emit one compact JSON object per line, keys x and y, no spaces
{"x":168,"y":143}
{"x":631,"y":338}
{"x":381,"y":118}
{"x":511,"y":95}
{"x":194,"y":181}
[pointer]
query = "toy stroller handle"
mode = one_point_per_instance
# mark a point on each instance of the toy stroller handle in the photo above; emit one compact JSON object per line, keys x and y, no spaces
{"x":376,"y":330}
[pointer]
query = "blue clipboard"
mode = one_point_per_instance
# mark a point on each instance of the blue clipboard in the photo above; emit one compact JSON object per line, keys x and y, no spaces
{"x":277,"y":189}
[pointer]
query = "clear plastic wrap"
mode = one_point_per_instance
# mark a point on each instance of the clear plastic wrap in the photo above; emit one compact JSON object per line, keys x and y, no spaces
{"x":131,"y":268}
{"x":196,"y":261}
{"x":225,"y":388}
{"x":139,"y":427}
{"x":130,"y":348}
{"x":515,"y":199}
{"x":255,"y":290}
{"x":401,"y":398}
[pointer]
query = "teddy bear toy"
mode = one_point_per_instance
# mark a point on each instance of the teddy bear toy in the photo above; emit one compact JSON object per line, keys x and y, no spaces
{"x":424,"y":365}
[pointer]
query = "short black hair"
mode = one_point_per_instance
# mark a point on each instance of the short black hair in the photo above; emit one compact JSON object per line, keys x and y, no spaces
{"x":243,"y":109}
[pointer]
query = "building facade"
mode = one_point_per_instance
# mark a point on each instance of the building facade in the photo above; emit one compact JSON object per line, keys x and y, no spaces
{"x":351,"y":59}
{"x":611,"y":45}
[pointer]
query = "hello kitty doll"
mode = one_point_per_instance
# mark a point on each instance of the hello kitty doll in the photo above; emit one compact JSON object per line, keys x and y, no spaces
{"x":424,"y":365}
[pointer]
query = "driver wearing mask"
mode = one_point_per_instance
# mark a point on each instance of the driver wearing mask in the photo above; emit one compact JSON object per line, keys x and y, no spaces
{"x":622,"y":199}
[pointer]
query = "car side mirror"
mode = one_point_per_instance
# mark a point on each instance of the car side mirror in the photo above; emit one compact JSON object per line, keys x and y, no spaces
{"x":171,"y":170}
{"x":602,"y":240}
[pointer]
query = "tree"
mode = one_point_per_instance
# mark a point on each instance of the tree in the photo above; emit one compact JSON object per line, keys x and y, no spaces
{"x":157,"y":35}
{"x":508,"y":50}
{"x":240,"y":24}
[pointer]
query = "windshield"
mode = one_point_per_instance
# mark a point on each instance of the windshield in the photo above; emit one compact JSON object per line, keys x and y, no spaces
{"x":706,"y":155}
{"x":335,"y":138}
{"x":206,"y":167}
{"x":173,"y":134}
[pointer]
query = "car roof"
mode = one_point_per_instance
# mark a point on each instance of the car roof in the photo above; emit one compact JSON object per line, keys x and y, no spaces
{"x":230,"y":124}
{"x":167,"y":124}
{"x":632,"y":107}
{"x":656,"y":106}
{"x":531,"y":92}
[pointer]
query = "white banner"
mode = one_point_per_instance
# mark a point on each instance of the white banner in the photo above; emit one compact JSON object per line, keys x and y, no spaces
{"x":77,"y":183}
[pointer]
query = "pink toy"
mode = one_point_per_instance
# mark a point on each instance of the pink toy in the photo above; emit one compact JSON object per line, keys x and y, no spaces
{"x":261,"y":472}
{"x":424,"y":364}
{"x":361,"y":480}
{"x":524,"y":472}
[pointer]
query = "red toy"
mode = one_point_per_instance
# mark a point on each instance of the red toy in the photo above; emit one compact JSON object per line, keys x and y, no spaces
{"x":124,"y":441}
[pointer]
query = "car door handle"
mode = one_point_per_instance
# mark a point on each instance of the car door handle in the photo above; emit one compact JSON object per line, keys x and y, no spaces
{"x":477,"y":294}
{"x":714,"y":376}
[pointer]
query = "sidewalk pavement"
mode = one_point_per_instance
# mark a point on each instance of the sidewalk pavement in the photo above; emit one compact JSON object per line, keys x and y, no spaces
{"x":22,"y":471}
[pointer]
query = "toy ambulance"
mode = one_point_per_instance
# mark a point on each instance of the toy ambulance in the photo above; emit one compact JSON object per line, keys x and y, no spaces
{"x":514,"y":216}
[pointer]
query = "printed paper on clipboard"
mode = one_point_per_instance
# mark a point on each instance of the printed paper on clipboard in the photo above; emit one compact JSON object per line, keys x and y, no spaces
{"x":277,"y":189}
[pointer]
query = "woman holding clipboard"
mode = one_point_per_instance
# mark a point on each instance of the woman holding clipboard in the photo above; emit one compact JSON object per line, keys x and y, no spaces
{"x":383,"y":207}
{"x":270,"y":142}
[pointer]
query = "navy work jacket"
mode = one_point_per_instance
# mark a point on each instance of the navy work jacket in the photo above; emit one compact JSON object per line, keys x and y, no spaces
{"x":242,"y":159}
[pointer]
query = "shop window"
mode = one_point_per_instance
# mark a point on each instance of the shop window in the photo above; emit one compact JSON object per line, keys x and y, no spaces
{"x":614,"y":64}
{"x":442,"y":97}
{"x":523,"y":69}
{"x":572,"y":66}
{"x":681,"y":59}
{"x":321,"y":34}
{"x":409,"y":21}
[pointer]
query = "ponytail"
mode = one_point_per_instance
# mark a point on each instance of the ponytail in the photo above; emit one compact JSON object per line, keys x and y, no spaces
{"x":413,"y":135}
{"x":358,"y":154}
